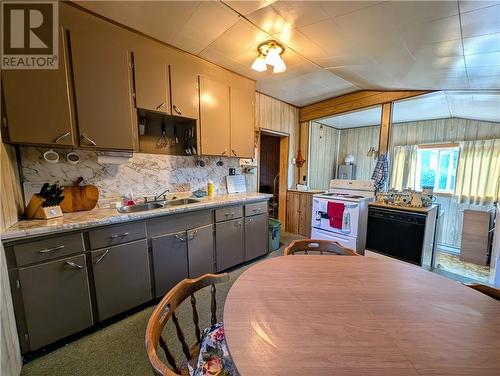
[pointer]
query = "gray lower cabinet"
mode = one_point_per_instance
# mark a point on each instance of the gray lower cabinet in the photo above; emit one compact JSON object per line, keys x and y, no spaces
{"x":56,"y":298}
{"x":121,"y":278}
{"x":170,"y":261}
{"x":201,"y":251}
{"x":229,"y":243}
{"x":256,"y":236}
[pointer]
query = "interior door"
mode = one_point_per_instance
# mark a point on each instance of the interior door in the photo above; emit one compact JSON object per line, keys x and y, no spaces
{"x":151,"y":82}
{"x":214,"y":117}
{"x":242,"y":122}
{"x":37,"y":104}
{"x":101,"y":71}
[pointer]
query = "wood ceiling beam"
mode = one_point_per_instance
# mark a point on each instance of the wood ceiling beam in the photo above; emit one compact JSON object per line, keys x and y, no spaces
{"x":353,"y":101}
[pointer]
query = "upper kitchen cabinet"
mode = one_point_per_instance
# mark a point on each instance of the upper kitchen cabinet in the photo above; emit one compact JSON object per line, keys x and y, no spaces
{"x":102,"y":78}
{"x":184,"y":88}
{"x":242,"y":122}
{"x":214,"y":117}
{"x":37,"y":104}
{"x":151,"y":75}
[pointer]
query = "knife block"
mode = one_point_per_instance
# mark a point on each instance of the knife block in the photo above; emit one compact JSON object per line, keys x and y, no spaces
{"x":36,"y":210}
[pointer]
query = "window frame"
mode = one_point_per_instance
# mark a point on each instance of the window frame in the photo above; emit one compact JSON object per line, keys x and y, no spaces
{"x":439,"y":148}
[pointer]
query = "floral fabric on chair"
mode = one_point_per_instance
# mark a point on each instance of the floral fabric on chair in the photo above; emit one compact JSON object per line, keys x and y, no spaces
{"x":214,"y":359}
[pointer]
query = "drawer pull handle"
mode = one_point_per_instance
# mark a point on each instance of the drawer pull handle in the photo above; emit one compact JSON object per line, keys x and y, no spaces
{"x":51,"y":249}
{"x":192,"y":235}
{"x":101,"y":257}
{"x":116,"y":236}
{"x":258,"y":210}
{"x":182,"y":239}
{"x":74,"y":265}
{"x":229,"y":214}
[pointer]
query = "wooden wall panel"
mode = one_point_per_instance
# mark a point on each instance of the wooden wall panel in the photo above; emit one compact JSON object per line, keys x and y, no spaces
{"x":323,"y":151}
{"x":11,"y":197}
{"x":303,"y":172}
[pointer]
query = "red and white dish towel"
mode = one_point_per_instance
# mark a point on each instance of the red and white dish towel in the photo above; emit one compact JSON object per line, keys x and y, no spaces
{"x":335,"y":210}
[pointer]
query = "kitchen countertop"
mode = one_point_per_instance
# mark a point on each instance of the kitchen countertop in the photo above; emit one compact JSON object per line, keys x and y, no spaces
{"x":104,"y":216}
{"x":404,"y":208}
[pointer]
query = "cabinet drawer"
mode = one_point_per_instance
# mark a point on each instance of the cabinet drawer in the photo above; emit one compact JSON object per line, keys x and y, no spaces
{"x":255,"y":208}
{"x":231,"y":212}
{"x":114,"y":235}
{"x":178,"y":222}
{"x":121,"y":277}
{"x":48,"y":249}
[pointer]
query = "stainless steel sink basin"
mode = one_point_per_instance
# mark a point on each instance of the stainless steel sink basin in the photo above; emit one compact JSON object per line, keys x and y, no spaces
{"x":156,"y":205}
{"x":181,"y":201}
{"x":141,"y":207}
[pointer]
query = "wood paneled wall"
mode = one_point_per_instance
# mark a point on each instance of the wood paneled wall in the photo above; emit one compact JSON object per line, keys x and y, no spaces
{"x":357,"y":141}
{"x":323,"y":151}
{"x":443,"y":130}
{"x":274,"y":115}
{"x":10,"y":191}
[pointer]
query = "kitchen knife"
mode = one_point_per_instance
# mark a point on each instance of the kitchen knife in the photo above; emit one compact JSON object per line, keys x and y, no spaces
{"x":43,"y":189}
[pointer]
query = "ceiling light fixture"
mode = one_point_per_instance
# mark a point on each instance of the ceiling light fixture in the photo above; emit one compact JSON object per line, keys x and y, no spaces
{"x":269,"y":54}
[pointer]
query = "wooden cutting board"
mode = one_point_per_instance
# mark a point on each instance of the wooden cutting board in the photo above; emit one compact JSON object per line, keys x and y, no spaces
{"x":79,"y":197}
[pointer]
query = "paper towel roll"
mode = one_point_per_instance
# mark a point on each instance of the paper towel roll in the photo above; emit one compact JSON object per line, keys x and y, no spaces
{"x":113,"y":157}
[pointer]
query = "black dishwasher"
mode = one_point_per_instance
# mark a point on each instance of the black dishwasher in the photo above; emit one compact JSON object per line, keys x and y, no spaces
{"x":395,"y":233}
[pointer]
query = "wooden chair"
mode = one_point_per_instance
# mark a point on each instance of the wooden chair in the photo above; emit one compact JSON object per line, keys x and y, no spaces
{"x":166,"y":310}
{"x":318,"y":246}
{"x":487,"y":290}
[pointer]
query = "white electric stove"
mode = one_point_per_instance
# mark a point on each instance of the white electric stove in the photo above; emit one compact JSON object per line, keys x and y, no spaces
{"x":354,"y":195}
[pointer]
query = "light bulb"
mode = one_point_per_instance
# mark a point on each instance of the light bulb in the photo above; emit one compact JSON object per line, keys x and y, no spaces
{"x":280,"y":65}
{"x":273,"y":56}
{"x":259,"y":64}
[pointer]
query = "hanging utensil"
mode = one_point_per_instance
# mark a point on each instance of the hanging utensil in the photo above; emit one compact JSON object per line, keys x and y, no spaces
{"x":176,"y":139}
{"x":162,"y":142}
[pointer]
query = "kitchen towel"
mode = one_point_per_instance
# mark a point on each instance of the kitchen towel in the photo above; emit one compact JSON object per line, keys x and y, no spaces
{"x":380,"y":173}
{"x":335,"y":211}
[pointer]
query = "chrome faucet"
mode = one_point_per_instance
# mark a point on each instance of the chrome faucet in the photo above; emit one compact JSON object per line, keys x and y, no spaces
{"x":155,"y":198}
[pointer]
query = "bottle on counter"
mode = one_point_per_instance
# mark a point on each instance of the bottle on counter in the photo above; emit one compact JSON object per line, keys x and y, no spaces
{"x":210,"y":188}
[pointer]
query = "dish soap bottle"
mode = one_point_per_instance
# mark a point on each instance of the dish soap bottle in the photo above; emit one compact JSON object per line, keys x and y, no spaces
{"x":210,"y":188}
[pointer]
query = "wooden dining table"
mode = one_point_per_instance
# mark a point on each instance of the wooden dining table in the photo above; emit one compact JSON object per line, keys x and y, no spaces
{"x":348,"y":315}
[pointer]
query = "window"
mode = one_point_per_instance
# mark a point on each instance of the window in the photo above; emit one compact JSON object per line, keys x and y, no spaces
{"x":437,"y":168}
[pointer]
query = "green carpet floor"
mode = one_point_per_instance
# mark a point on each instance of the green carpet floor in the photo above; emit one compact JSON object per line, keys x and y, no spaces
{"x":118,"y":349}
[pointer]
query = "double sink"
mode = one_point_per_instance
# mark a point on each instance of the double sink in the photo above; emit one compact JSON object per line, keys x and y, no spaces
{"x":145,"y":206}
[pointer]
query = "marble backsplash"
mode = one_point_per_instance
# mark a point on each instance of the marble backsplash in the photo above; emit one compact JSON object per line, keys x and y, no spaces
{"x":142,"y":175}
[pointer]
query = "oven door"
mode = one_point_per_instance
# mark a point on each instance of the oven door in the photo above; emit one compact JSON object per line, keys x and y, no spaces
{"x":344,"y":240}
{"x":320,"y":217}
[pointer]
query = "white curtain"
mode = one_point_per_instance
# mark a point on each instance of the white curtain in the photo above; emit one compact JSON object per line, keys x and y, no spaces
{"x":478,"y":172}
{"x":404,"y":167}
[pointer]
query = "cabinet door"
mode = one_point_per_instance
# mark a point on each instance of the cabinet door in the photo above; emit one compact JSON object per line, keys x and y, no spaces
{"x":170,"y":261}
{"x":292,"y":212}
{"x":151,"y":82}
{"x":242,"y":123}
{"x":37,"y":104}
{"x":214,"y":117}
{"x":121,"y":278}
{"x":229,"y":244}
{"x":56,"y":299}
{"x":201,"y":251}
{"x":103,"y":94}
{"x":184,"y":89}
{"x":305,"y":204}
{"x":256,"y":236}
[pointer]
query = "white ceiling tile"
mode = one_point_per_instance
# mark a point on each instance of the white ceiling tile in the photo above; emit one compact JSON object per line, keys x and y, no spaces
{"x":482,"y":44}
{"x":481,"y":22}
{"x":269,"y":20}
{"x":246,"y":7}
{"x":367,"y":76}
{"x":299,"y":42}
{"x":340,"y":8}
{"x":480,"y":72}
{"x":424,"y":107}
{"x":483,"y":60}
{"x":199,"y":34}
{"x":485,"y":83}
{"x":467,"y":6}
{"x":437,"y":49}
{"x":300,"y":13}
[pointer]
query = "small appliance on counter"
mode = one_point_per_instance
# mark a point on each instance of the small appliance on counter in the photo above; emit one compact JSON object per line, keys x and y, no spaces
{"x":407,"y":198}
{"x":45,"y":204}
{"x":341,"y":213}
